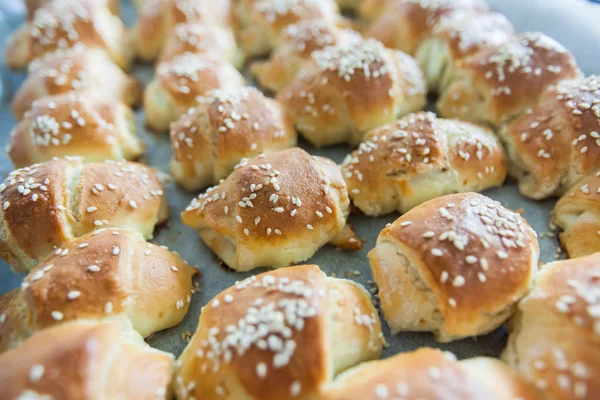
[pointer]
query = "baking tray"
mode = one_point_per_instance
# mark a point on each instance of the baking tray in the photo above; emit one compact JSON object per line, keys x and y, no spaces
{"x":572,"y":22}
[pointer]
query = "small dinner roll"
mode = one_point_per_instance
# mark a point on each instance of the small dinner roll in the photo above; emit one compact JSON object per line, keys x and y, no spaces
{"x":499,"y":83}
{"x":202,"y":39}
{"x":274,"y":210}
{"x":32,"y":6}
{"x":262,"y":22}
{"x":85,"y":360}
{"x":455,"y":265}
{"x":554,"y":339}
{"x":75,"y":124}
{"x":577,"y":214}
{"x":227,"y":125}
{"x":157,"y":20}
{"x":430,"y":374}
{"x":421,"y":157}
{"x":111,"y":274}
{"x":76,"y":69}
{"x":557,"y":142}
{"x":279,"y":335}
{"x":455,"y":36}
{"x":180,"y":81}
{"x":405,"y":24}
{"x":61,"y":24}
{"x":70,"y":199}
{"x":347,"y":90}
{"x":297,"y":44}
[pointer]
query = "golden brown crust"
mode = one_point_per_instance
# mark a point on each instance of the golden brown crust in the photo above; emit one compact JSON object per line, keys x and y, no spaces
{"x":427,"y":373}
{"x":62,"y":24}
{"x":228,"y":125}
{"x":111,"y":274}
{"x":577,"y":213}
{"x":158,"y":18}
{"x":262,"y":22}
{"x":84,"y":360}
{"x":70,"y":199}
{"x":405,"y":24}
{"x":291,"y":353}
{"x":181,"y":81}
{"x":74,"y":124}
{"x":501,"y":82}
{"x":556,"y":143}
{"x":211,"y":40}
{"x":348,"y":90}
{"x":298,"y":42}
{"x":273,"y":210}
{"x":418,"y":158}
{"x":477,"y":258}
{"x":76,"y":69}
{"x":555,"y":337}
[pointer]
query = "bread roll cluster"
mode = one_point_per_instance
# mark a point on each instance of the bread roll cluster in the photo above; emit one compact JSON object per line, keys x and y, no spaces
{"x":76,"y":214}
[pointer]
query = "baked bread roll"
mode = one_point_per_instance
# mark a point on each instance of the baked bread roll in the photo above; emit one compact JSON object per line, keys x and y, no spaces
{"x":577,"y":214}
{"x":157,"y":19}
{"x":297,"y":44}
{"x":405,"y":24}
{"x":85,"y":360}
{"x":499,"y":83}
{"x":455,"y":36}
{"x":179,"y":83}
{"x":262,"y":22}
{"x":75,"y":124}
{"x":70,"y":199}
{"x":228,"y":125}
{"x":556,"y":143}
{"x":554,"y":339}
{"x":61,"y":24}
{"x":210,"y":40}
{"x":430,"y":374}
{"x":421,"y":157}
{"x":348,"y":90}
{"x":32,"y":6}
{"x":455,"y":265}
{"x":273,"y":211}
{"x":76,"y":69}
{"x":112,"y":274}
{"x":279,"y":335}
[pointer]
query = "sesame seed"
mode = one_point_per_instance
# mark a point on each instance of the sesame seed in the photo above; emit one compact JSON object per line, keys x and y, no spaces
{"x":132,"y":204}
{"x":458,"y":281}
{"x":108,"y":308}
{"x":309,"y":227}
{"x":73,"y":294}
{"x":228,"y":298}
{"x":437,"y":252}
{"x":261,"y":370}
{"x":91,"y":209}
{"x":452,"y":302}
{"x":93,"y":268}
{"x":429,"y":234}
{"x":174,"y":268}
{"x":381,"y":391}
{"x":36,"y":373}
{"x":116,"y":250}
{"x":57,"y":315}
{"x":405,"y":223}
{"x":295,"y":388}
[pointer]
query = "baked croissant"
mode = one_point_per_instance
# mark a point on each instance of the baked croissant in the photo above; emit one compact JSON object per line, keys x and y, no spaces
{"x":227,"y":126}
{"x":211,"y":40}
{"x":274,"y":210}
{"x":180,"y":82}
{"x":279,"y":335}
{"x":455,"y":266}
{"x":61,"y":24}
{"x":405,"y":24}
{"x":298,"y":42}
{"x":557,"y":142}
{"x":457,"y":35}
{"x":76,"y":69}
{"x":577,"y":214}
{"x":421,"y":157}
{"x":157,"y":19}
{"x":69,"y":199}
{"x":112,"y":274}
{"x":499,"y":83}
{"x":554,"y":338}
{"x":75,"y":124}
{"x":347,"y":90}
{"x":262,"y":22}
{"x":85,"y":360}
